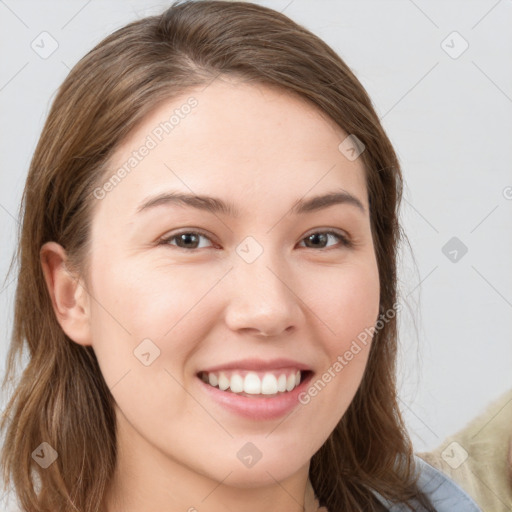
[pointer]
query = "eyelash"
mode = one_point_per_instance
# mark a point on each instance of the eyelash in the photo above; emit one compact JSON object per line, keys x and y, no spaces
{"x":344,"y":240}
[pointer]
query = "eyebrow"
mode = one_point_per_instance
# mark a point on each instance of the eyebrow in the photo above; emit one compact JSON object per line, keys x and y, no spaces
{"x":217,"y":205}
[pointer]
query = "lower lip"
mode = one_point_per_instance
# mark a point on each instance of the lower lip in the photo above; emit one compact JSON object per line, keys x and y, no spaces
{"x":258,"y":407}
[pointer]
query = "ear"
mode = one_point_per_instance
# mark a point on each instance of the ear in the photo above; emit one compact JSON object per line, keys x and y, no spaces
{"x":70,"y":299}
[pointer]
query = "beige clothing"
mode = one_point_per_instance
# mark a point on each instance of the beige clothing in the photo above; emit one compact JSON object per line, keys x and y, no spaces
{"x":479,"y":457}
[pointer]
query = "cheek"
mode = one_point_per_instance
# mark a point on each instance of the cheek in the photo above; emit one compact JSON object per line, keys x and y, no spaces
{"x":136,"y":303}
{"x":148,"y":299}
{"x":144,"y":330}
{"x":347,"y":302}
{"x":345,"y":299}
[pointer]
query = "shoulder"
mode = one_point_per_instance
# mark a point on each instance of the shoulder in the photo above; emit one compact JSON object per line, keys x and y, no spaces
{"x":479,"y":456}
{"x":444,"y":494}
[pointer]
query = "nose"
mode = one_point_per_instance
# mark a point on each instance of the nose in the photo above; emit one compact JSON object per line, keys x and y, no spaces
{"x":262,"y":299}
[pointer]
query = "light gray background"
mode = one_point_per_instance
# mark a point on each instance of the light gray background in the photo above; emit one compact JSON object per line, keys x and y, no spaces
{"x":450,"y":120}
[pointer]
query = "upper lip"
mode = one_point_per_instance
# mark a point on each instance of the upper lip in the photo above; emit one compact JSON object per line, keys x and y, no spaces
{"x":258,"y":365}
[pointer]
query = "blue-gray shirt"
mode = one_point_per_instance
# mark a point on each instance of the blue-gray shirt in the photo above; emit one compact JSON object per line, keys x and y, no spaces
{"x":444,"y":494}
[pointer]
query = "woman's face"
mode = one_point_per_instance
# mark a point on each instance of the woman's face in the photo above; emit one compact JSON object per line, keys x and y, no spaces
{"x":261,"y":288}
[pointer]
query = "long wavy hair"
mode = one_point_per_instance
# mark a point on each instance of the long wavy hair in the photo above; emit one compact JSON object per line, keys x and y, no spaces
{"x":61,"y":396}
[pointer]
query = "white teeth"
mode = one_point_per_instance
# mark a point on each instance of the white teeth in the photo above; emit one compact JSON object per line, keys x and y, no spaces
{"x":212,"y":379}
{"x":223,"y":381}
{"x":252,"y":384}
{"x":290,"y":382}
{"x":269,"y":384}
{"x":281,"y":383}
{"x":236,"y":383}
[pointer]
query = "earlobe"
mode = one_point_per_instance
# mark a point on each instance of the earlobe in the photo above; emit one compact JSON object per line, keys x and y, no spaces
{"x":69,"y":298}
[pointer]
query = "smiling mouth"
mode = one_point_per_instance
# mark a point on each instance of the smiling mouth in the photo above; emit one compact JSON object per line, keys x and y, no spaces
{"x":256,"y":384}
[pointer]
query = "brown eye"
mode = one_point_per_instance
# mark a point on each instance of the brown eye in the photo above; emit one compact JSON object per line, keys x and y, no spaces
{"x":185,"y":240}
{"x":319,"y":239}
{"x":191,"y":240}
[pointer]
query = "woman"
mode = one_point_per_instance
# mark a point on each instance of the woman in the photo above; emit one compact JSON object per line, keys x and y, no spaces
{"x":207,"y":281}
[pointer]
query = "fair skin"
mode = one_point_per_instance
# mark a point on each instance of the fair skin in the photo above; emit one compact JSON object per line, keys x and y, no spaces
{"x":204,"y":305}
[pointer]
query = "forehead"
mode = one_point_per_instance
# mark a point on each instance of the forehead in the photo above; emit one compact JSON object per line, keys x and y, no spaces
{"x":235,"y":139}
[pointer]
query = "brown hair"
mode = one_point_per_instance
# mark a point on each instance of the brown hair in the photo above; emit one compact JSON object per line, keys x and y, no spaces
{"x":61,"y":397}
